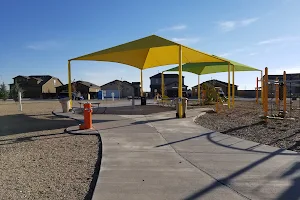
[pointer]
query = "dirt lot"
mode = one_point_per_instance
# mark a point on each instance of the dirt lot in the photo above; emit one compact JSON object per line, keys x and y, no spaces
{"x":243,"y":121}
{"x":40,"y":161}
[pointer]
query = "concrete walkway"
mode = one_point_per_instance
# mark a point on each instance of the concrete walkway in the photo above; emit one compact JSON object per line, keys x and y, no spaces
{"x":160,"y":157}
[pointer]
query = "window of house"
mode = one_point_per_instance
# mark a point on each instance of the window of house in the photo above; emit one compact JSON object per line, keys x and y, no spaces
{"x":54,"y":82}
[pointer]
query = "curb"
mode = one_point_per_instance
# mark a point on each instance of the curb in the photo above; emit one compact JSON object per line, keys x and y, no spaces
{"x":97,"y":167}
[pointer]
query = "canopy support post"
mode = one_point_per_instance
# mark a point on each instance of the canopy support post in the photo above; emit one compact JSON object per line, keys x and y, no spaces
{"x":162,"y":85}
{"x":233,"y":86}
{"x":228,"y":87}
{"x":262,"y":87}
{"x":180,"y":114}
{"x":69,"y":83}
{"x":256,"y":90}
{"x":141,"y":89}
{"x":198,"y":90}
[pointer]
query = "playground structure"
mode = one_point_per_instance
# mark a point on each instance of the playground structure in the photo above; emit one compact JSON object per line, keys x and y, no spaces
{"x":210,"y":68}
{"x":275,"y":91}
{"x":148,"y":52}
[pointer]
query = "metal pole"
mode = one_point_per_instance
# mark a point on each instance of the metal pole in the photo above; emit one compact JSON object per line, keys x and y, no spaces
{"x":266,"y":107}
{"x":142,"y":91}
{"x":262,"y":87}
{"x":70,"y":84}
{"x":277,"y":93}
{"x":180,"y":83}
{"x":228,"y":87}
{"x":284,"y":92}
{"x":256,"y":90}
{"x":198,"y":90}
{"x":233,"y":87}
{"x":162,"y":85}
{"x":20,"y":101}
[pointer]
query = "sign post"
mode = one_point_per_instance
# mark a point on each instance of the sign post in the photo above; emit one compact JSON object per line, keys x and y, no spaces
{"x":20,"y":101}
{"x":113,"y":96}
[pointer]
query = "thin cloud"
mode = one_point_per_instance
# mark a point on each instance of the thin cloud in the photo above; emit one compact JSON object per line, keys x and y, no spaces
{"x":44,"y":45}
{"x":231,"y":25}
{"x":186,"y":40}
{"x":279,"y":40}
{"x":289,"y":70}
{"x":234,"y":51}
{"x":252,"y":54}
{"x":225,"y":54}
{"x":173,"y":28}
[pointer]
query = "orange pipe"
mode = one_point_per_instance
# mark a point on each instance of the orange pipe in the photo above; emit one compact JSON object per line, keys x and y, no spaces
{"x":87,"y":113}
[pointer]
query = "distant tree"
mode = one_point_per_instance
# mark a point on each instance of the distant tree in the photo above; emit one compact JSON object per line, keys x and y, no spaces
{"x":3,"y":92}
{"x":14,"y":93}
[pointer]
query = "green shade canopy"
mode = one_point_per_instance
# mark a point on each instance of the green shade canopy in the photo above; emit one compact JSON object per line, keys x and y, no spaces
{"x":213,"y":67}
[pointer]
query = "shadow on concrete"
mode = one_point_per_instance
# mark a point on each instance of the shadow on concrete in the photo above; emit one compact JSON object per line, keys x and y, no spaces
{"x":293,"y":192}
{"x":131,"y":123}
{"x":129,"y":110}
{"x":226,"y":181}
{"x":183,"y":140}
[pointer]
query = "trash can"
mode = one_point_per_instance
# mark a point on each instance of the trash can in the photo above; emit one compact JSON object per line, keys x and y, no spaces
{"x":143,"y":101}
{"x":65,"y":104}
{"x":184,"y":106}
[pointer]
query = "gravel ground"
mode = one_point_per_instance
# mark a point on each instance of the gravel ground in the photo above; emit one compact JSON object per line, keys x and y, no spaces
{"x":40,"y":161}
{"x":243,"y":121}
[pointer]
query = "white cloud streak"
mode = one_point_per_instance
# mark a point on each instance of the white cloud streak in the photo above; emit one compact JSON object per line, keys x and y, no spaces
{"x":186,"y":40}
{"x":44,"y":45}
{"x":233,"y":24}
{"x":279,"y":40}
{"x":173,"y":28}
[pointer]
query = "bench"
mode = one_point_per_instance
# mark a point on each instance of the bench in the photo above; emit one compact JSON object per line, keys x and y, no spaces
{"x":93,"y":103}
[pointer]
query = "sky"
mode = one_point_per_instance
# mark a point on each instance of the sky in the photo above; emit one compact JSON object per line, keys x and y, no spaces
{"x":38,"y":37}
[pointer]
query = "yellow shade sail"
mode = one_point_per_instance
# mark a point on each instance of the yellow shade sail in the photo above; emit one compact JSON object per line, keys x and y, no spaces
{"x":149,"y":52}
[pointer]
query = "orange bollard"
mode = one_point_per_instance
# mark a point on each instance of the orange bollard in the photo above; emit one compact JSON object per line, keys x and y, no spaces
{"x":87,"y":113}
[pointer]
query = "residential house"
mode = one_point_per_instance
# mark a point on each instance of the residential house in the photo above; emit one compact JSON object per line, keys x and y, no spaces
{"x":170,"y":82}
{"x":125,"y":88}
{"x":82,"y":87}
{"x":293,"y":84}
{"x":215,"y":83}
{"x":37,"y":86}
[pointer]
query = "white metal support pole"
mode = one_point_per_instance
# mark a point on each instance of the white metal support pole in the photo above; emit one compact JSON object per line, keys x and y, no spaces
{"x":20,"y":101}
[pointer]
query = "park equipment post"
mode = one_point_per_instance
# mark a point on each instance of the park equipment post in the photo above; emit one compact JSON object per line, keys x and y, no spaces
{"x":69,"y":84}
{"x":228,"y":89}
{"x":180,"y":83}
{"x":162,"y":86}
{"x":87,"y":110}
{"x":277,"y":93}
{"x":141,"y":91}
{"x":217,"y":103}
{"x":266,"y":106}
{"x":262,"y":87}
{"x":257,"y":90}
{"x":233,"y":88}
{"x":198,"y":90}
{"x":284,"y":93}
